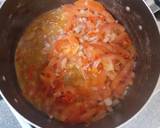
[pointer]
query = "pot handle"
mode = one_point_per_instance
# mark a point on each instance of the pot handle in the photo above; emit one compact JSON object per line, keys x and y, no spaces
{"x":155,"y":7}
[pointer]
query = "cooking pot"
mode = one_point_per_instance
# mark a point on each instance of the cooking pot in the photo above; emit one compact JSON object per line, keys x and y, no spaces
{"x":138,"y":20}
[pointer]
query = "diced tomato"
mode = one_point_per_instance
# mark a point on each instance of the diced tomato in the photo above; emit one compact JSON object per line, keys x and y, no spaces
{"x":121,"y":51}
{"x":91,"y":4}
{"x":118,"y":83}
{"x":68,"y":46}
{"x":31,"y":71}
{"x":67,"y":97}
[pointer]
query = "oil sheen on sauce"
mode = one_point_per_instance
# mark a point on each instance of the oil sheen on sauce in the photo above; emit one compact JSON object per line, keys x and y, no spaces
{"x":34,"y":46}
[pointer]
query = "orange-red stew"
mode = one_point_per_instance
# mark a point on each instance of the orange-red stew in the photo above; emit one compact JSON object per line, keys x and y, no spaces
{"x":76,"y":62}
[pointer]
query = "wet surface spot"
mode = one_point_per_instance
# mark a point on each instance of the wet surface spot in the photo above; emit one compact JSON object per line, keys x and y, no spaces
{"x":128,"y":9}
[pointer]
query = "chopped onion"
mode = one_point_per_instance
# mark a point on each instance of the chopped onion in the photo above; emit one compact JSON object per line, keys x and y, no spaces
{"x":80,"y":53}
{"x":126,"y":91}
{"x":51,"y":117}
{"x":63,"y":63}
{"x":109,"y":37}
{"x":110,"y":109}
{"x":82,"y":11}
{"x":78,"y":29}
{"x":94,"y":38}
{"x":108,"y":101}
{"x":96,"y":63}
{"x":112,"y":75}
{"x":96,"y":13}
{"x":115,"y":102}
{"x":61,"y":32}
{"x":98,"y":23}
{"x":108,"y":64}
{"x":81,"y":40}
{"x":99,"y":116}
{"x":106,"y":39}
{"x":97,"y":30}
{"x":80,"y":47}
{"x":3,"y":78}
{"x":46,"y":47}
{"x":83,"y":20}
{"x":15,"y":100}
{"x":86,"y":3}
{"x":85,"y":37}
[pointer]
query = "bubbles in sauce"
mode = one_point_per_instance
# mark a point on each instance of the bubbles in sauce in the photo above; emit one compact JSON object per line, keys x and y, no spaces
{"x":140,"y":27}
{"x":3,"y":78}
{"x":128,"y":9}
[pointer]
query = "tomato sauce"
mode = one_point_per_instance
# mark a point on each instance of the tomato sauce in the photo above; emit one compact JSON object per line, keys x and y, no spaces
{"x":75,"y":62}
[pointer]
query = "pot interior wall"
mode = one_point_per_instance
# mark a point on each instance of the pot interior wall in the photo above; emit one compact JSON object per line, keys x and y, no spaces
{"x":16,"y":15}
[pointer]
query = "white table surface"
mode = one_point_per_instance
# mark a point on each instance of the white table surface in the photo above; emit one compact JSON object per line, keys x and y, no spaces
{"x":149,"y":117}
